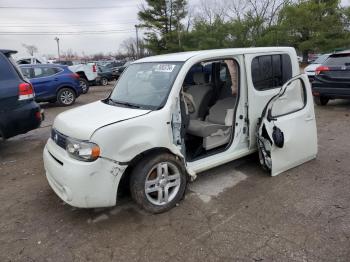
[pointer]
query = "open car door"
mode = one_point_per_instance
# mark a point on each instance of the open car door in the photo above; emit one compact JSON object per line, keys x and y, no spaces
{"x":286,"y":134}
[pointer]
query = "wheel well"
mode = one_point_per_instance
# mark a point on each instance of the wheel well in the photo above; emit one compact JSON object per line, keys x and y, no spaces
{"x":124,"y":181}
{"x":82,"y":75}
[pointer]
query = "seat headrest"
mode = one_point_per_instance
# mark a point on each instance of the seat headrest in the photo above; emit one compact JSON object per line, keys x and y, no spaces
{"x":199,"y":78}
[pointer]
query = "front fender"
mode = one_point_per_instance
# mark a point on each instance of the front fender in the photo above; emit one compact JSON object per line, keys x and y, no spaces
{"x":125,"y":140}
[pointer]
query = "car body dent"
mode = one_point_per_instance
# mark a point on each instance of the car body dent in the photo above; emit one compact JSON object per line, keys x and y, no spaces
{"x":122,"y":141}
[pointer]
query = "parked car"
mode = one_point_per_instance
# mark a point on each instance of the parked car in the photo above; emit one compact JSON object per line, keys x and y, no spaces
{"x":105,"y":75}
{"x":87,"y":72}
{"x":31,"y":60}
{"x":311,"y":68}
{"x":53,"y":83}
{"x":159,"y":134}
{"x":19,"y":113}
{"x":117,"y":71}
{"x":332,"y":78}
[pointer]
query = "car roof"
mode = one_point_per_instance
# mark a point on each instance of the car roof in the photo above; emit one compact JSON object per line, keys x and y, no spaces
{"x":184,"y":56}
{"x":342,"y":53}
{"x":8,"y":51}
{"x":43,"y":65}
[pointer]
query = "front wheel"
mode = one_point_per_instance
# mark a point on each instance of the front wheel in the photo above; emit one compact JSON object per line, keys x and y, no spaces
{"x":321,"y":100}
{"x":158,"y":183}
{"x":84,"y":84}
{"x":66,"y":97}
{"x":104,"y":81}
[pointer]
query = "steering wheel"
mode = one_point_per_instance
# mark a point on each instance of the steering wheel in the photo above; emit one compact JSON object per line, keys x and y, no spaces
{"x":191,"y":107}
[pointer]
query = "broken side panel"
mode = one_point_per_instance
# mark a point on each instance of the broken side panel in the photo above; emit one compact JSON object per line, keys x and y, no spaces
{"x":287,"y":135}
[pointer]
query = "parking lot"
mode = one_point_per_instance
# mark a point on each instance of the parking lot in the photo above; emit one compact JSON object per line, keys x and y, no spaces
{"x":232,"y":213}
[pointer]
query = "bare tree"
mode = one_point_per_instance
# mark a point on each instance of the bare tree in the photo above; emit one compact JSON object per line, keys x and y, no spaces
{"x":209,"y":10}
{"x":236,"y":9}
{"x":31,"y":49}
{"x":128,"y":48}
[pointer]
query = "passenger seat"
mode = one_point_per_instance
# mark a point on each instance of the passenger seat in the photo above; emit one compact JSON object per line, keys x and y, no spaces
{"x":201,"y":94}
{"x":216,"y":129}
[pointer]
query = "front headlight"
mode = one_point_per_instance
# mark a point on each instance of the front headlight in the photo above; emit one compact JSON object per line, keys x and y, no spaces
{"x":81,"y":150}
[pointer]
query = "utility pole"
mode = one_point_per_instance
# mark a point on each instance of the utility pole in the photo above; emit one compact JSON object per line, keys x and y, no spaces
{"x":58,"y":47}
{"x":137,"y":41}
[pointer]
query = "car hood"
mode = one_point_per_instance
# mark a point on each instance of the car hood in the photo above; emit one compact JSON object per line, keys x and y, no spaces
{"x":83,"y":121}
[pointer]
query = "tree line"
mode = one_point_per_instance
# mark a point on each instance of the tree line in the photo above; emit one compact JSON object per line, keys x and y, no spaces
{"x":307,"y":25}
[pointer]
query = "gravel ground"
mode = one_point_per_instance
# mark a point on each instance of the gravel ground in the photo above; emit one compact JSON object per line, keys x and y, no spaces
{"x":232,"y":213}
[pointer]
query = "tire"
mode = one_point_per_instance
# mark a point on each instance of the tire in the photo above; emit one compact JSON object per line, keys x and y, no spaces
{"x":66,"y":97}
{"x":156,"y":169}
{"x":84,"y":84}
{"x":104,"y":81}
{"x":321,"y":100}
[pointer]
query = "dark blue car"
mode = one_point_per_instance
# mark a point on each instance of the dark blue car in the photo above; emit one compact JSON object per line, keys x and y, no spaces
{"x":19,"y":113}
{"x":53,"y":83}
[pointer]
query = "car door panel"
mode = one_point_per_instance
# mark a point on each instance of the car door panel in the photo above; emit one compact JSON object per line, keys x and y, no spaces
{"x":292,"y":112}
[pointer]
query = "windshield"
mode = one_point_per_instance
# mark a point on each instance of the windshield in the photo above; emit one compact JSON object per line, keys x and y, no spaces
{"x":320,"y":59}
{"x":145,"y":85}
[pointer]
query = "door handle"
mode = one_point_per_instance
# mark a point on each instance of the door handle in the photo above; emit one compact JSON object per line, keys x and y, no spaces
{"x":309,"y":118}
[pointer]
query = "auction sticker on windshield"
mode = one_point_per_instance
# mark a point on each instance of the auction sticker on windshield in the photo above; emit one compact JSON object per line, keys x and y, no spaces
{"x":165,"y":68}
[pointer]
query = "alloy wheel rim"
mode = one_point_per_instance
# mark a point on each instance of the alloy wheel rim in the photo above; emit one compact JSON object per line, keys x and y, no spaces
{"x":104,"y":81}
{"x":162,"y":183}
{"x":67,"y":97}
{"x":83,"y":85}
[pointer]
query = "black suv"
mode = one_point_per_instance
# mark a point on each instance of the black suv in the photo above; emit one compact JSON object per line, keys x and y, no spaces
{"x":332,"y":79}
{"x":19,"y":113}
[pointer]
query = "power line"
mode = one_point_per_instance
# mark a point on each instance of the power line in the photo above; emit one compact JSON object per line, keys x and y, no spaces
{"x":62,"y":25}
{"x":65,"y":8}
{"x":68,"y":33}
{"x":65,"y":25}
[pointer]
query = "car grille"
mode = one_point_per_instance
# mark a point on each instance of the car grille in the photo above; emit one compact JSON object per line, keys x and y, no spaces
{"x":59,"y":138}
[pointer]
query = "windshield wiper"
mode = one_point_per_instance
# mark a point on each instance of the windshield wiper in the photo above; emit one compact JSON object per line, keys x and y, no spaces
{"x":124,"y":103}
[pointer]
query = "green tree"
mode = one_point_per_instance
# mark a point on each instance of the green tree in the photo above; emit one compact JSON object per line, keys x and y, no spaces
{"x":313,"y":25}
{"x":162,"y":19}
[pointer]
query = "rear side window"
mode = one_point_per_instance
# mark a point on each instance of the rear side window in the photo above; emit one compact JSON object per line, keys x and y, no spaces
{"x":45,"y":71}
{"x":271,"y":71}
{"x":27,"y":72}
{"x":338,"y":60}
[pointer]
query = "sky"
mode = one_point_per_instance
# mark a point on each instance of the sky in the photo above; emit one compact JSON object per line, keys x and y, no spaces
{"x":89,"y":26}
{"x":108,"y":24}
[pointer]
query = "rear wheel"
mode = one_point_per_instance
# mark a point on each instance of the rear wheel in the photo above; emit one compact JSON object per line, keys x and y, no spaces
{"x":158,"y":182}
{"x":66,"y":97}
{"x":104,"y":81}
{"x":84,"y":84}
{"x":321,"y":100}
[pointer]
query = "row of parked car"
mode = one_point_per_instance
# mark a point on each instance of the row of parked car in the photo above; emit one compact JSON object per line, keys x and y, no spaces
{"x":330,"y":77}
{"x":25,"y":82}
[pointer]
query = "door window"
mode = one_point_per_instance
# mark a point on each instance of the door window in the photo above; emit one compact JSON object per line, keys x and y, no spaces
{"x":271,"y":71}
{"x":45,"y":71}
{"x":293,"y":99}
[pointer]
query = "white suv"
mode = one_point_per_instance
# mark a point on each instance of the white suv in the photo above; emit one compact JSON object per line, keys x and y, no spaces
{"x":173,"y":116}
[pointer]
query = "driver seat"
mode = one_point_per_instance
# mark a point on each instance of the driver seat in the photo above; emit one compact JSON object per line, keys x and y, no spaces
{"x":201,"y":94}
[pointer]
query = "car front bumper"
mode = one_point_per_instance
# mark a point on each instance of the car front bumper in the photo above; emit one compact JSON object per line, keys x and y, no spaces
{"x":81,"y":184}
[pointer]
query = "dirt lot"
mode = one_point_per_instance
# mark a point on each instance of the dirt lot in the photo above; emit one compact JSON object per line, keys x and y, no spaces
{"x":233,"y":213}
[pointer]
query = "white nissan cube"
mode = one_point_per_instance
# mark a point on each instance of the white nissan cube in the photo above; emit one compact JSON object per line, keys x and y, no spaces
{"x":172,"y":116}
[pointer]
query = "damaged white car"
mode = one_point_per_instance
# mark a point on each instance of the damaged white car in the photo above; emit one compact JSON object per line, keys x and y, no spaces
{"x":173,"y":116}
